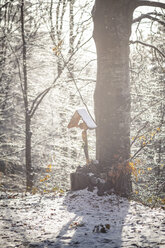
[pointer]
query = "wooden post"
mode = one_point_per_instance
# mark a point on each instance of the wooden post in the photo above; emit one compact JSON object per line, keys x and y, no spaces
{"x":85,"y":146}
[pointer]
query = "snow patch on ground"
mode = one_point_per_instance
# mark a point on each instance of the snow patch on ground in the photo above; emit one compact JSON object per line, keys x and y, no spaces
{"x":69,"y":220}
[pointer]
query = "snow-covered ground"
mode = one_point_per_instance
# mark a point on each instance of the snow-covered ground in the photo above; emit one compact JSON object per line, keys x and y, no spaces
{"x":74,"y":219}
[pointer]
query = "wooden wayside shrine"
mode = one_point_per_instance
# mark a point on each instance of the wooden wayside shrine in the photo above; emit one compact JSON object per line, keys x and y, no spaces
{"x":83,"y":120}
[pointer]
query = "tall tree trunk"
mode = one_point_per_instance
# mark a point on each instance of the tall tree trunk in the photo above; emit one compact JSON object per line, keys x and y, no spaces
{"x":112,"y":28}
{"x":29,"y":179}
{"x":29,"y":175}
{"x":71,"y":38}
{"x":60,"y":11}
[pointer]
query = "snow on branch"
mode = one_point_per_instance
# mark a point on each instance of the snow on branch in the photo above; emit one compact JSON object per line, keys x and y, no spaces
{"x":39,"y":98}
{"x":148,"y":45}
{"x":4,"y":5}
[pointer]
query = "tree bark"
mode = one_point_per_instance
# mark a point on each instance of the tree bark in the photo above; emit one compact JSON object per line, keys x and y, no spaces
{"x":112,"y":29}
{"x":71,"y":38}
{"x":29,"y":177}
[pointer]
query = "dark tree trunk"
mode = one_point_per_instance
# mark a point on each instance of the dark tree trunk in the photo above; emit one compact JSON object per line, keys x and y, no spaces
{"x":29,"y":178}
{"x":29,"y":175}
{"x":71,"y":37}
{"x":112,"y":29}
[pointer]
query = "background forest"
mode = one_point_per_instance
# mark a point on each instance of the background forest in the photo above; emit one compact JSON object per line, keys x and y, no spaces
{"x":48,"y":69}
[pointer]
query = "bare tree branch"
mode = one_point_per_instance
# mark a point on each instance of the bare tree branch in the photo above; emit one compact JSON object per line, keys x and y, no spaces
{"x":139,"y":3}
{"x":148,"y":16}
{"x":146,"y":109}
{"x":41,"y":96}
{"x":4,"y":5}
{"x":148,"y":142}
{"x":148,"y":45}
{"x":139,"y":131}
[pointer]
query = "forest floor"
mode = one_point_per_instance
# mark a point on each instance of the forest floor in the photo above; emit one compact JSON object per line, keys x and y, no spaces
{"x":78,"y":219}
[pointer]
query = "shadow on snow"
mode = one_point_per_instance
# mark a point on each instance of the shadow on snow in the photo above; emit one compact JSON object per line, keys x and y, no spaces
{"x":89,"y":212}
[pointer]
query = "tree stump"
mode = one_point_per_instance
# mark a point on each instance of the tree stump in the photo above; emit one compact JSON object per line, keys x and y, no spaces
{"x":79,"y":181}
{"x":88,"y":177}
{"x":96,"y":175}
